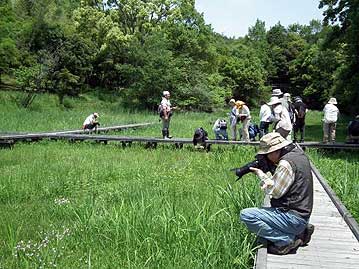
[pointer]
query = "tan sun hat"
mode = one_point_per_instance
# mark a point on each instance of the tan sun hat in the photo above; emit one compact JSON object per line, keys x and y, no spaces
{"x":332,"y":101}
{"x":274,"y":100}
{"x":277,"y":92}
{"x":239,"y":104}
{"x":272,"y":142}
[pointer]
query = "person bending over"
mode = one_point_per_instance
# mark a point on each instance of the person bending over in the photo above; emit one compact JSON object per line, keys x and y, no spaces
{"x":91,"y":122}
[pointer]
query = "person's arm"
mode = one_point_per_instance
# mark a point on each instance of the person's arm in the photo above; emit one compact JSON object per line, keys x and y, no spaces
{"x":278,"y":184}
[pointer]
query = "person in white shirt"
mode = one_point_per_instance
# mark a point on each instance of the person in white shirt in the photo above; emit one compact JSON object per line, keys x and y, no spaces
{"x":280,"y":117}
{"x":91,"y":122}
{"x":233,"y":119}
{"x":330,"y":120}
{"x":165,"y":114}
{"x":264,"y":118}
{"x":245,"y":117}
{"x":220,"y":129}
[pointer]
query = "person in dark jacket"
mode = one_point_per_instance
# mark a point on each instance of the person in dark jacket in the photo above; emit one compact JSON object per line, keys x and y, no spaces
{"x":285,"y":225}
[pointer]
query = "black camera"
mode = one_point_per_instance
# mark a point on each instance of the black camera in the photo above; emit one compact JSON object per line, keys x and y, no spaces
{"x":261,"y":162}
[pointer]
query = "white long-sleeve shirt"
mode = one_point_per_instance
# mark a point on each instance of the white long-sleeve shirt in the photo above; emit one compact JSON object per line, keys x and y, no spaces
{"x":330,"y":113}
{"x":281,"y":116}
{"x":265,"y":113}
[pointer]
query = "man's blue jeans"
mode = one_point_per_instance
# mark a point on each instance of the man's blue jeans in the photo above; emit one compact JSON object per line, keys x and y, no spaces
{"x":273,"y":224}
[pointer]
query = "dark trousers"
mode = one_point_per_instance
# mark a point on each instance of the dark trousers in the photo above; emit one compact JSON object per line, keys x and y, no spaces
{"x":299,"y":126}
{"x":263,"y":128}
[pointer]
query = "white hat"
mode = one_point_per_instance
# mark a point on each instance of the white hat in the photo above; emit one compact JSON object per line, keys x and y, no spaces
{"x":96,"y":114}
{"x":274,"y":100}
{"x":277,"y":92}
{"x":272,"y":142}
{"x":286,"y":94}
{"x":332,"y":101}
{"x":165,"y":93}
{"x":232,"y":101}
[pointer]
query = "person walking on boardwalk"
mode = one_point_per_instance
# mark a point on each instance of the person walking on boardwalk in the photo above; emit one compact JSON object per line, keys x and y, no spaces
{"x":245,"y":117}
{"x":264,"y":118}
{"x":280,"y":117}
{"x":165,"y":111}
{"x":300,"y":110}
{"x":285,"y":224}
{"x":91,"y":122}
{"x":331,"y":113}
{"x":233,"y":119}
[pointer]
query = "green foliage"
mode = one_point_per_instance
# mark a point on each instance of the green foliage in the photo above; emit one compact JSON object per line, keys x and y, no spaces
{"x":139,"y":48}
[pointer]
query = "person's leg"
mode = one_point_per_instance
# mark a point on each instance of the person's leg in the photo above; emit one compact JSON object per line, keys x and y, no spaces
{"x":295,"y":130}
{"x":234,"y":131}
{"x":266,"y":127}
{"x":325,"y":132}
{"x":245,"y":133}
{"x":261,"y":129}
{"x":302,"y":132}
{"x":276,"y":226}
{"x":332,"y":132}
{"x":217,"y":133}
{"x":165,"y":125}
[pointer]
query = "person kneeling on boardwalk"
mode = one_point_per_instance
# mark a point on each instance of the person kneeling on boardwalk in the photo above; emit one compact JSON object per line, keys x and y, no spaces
{"x":286,"y":223}
{"x":91,"y":122}
{"x":220,"y":129}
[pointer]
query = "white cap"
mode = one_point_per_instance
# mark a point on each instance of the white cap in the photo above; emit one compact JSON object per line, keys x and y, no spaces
{"x":165,"y":93}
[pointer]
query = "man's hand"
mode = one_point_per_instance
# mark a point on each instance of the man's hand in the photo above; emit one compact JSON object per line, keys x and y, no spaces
{"x":257,"y":171}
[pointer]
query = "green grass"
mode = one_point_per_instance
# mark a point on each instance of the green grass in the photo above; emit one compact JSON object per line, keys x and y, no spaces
{"x":124,"y":208}
{"x":341,"y":170}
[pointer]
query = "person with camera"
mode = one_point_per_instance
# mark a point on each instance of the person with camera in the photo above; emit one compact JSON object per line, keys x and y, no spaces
{"x":91,"y":122}
{"x":285,"y":225}
{"x":165,"y":111}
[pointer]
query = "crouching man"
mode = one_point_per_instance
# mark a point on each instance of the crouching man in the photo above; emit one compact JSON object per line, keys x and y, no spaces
{"x":91,"y":122}
{"x":285,"y":225}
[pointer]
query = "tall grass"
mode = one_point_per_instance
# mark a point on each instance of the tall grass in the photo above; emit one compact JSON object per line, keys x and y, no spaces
{"x":341,"y":170}
{"x":94,"y":206}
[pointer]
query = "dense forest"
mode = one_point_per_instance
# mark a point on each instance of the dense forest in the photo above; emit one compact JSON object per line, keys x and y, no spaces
{"x":135,"y":49}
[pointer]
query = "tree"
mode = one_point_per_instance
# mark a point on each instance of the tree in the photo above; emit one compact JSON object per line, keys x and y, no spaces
{"x":346,"y":14}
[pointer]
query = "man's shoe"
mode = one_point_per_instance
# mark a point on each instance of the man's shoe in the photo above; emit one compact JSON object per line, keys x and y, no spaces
{"x":283,"y":250}
{"x":307,"y":234}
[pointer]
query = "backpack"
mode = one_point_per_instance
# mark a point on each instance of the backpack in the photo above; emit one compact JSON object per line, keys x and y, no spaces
{"x":200,"y":135}
{"x":222,"y":124}
{"x":301,"y":112}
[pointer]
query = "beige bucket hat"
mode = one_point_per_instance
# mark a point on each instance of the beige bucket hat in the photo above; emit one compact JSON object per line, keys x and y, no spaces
{"x":272,"y":142}
{"x":332,"y":101}
{"x":274,"y":100}
{"x":277,"y":92}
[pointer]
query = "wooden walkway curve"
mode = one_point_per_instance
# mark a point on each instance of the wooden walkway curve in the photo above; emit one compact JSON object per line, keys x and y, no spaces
{"x":334,"y":243}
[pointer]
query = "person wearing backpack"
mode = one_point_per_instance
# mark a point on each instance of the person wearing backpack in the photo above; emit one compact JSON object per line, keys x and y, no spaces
{"x":331,"y":113}
{"x":300,"y":110}
{"x":165,"y":112}
{"x":287,"y":103}
{"x":220,"y":129}
{"x":199,"y":139}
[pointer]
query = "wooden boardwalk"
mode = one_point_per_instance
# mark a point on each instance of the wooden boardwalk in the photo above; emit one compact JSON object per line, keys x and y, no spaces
{"x":334,"y":243}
